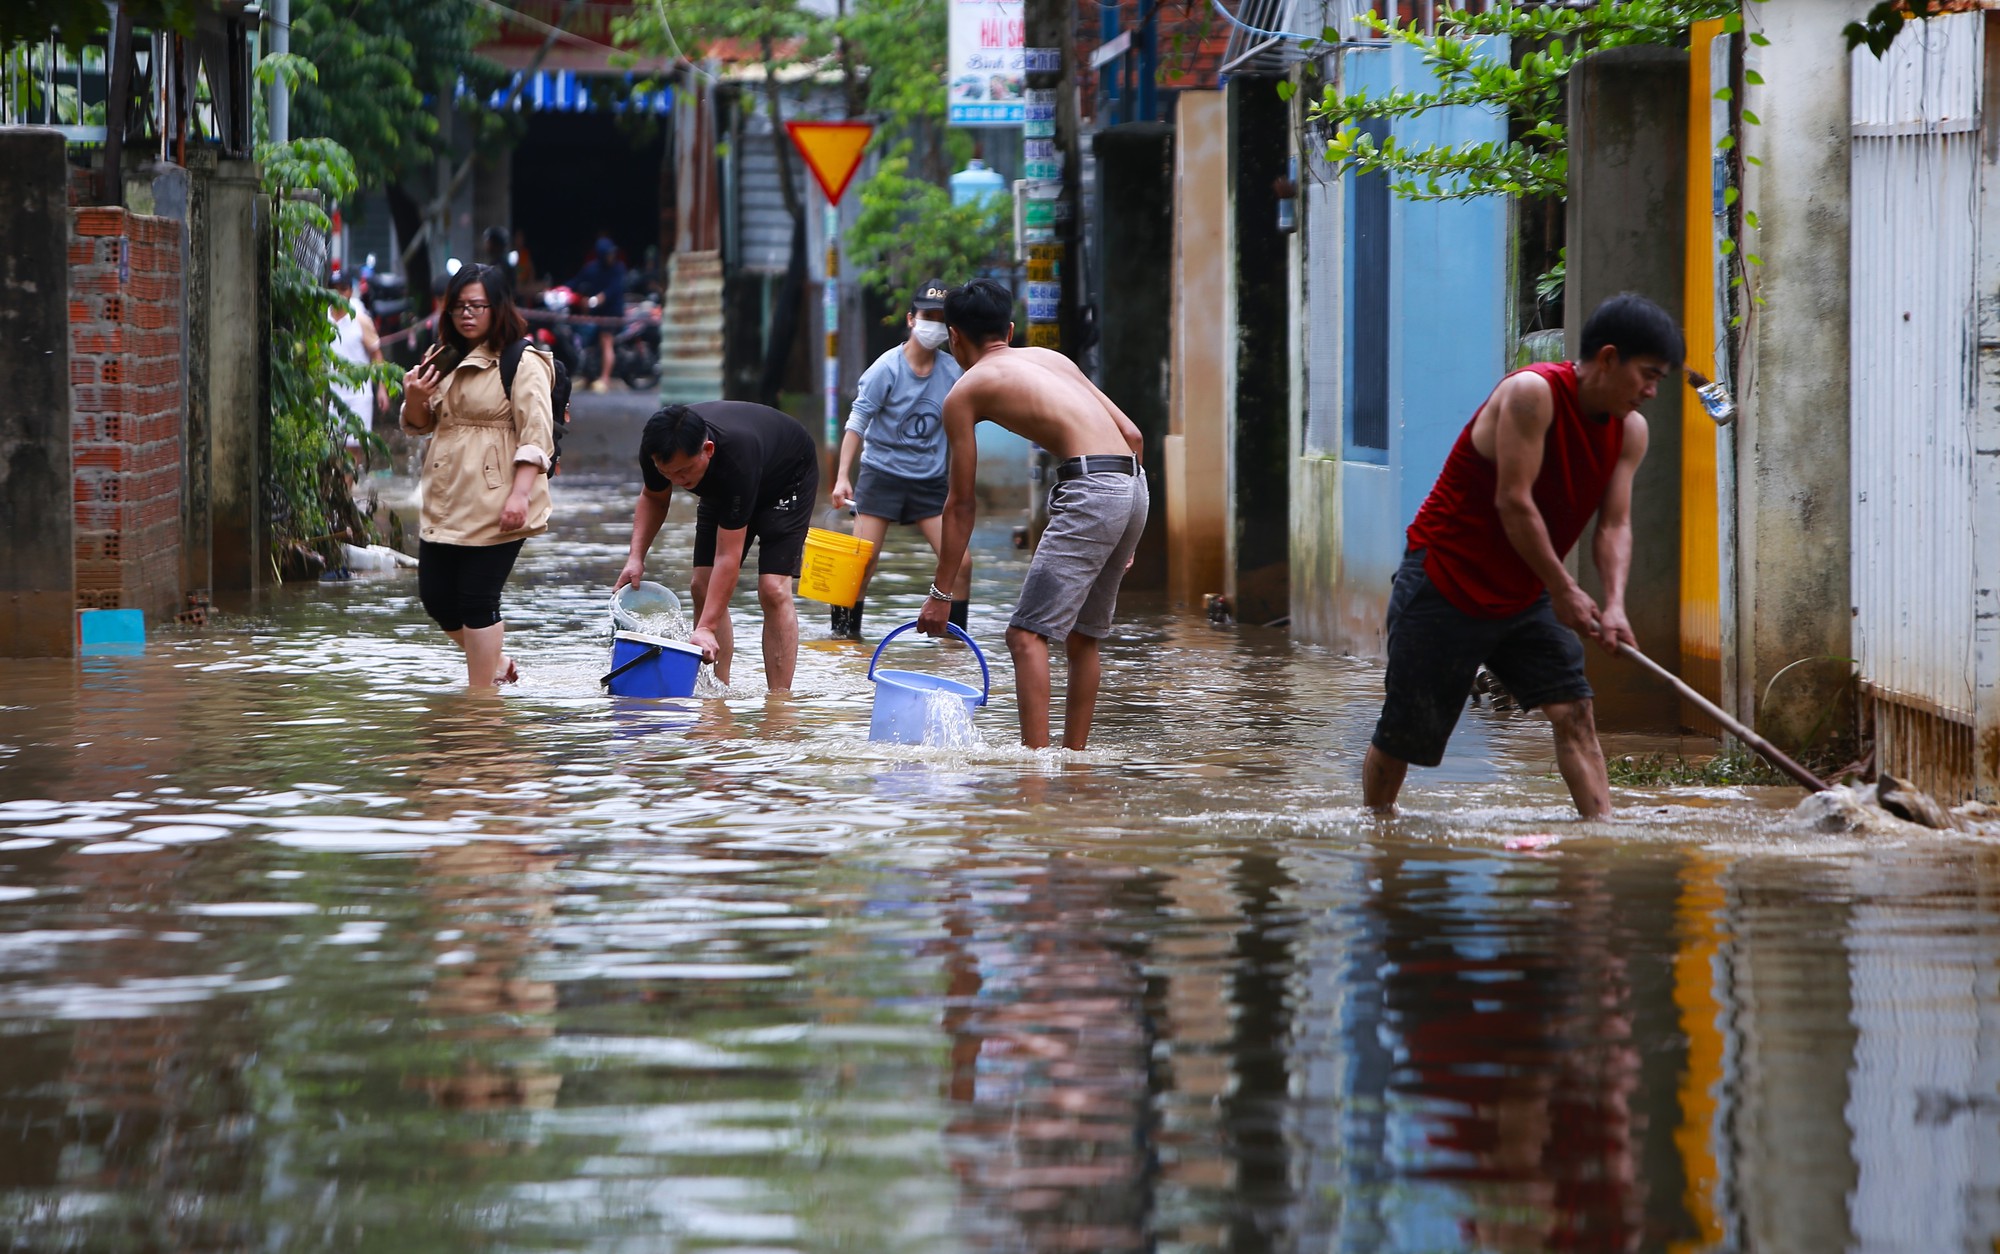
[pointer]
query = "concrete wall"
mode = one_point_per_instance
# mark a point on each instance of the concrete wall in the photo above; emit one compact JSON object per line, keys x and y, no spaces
{"x":235,"y":241}
{"x":1627,"y":233}
{"x":1434,"y":344}
{"x":1135,"y":224}
{"x":1792,"y":442}
{"x":37,"y":585}
{"x":1204,"y":353}
{"x":1317,"y":266}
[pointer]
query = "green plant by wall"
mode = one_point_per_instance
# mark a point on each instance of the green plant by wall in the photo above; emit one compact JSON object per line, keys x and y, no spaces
{"x":1528,"y":90}
{"x":308,"y":482}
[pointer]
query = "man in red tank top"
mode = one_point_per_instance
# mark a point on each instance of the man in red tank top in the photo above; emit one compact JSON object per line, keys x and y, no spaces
{"x":1483,"y":582}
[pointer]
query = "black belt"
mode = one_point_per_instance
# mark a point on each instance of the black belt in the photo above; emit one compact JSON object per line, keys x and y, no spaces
{"x":1096,"y":464}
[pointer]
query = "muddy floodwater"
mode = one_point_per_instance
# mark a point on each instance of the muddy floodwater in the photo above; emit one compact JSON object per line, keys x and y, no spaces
{"x":302,"y":948}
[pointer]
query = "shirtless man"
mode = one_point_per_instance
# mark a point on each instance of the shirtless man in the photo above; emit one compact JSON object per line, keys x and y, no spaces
{"x":1097,"y":507}
{"x":1483,"y":580}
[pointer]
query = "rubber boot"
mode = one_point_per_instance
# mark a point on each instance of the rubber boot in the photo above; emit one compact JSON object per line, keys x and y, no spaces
{"x":854,"y":618}
{"x":959,"y":611}
{"x":837,"y":628}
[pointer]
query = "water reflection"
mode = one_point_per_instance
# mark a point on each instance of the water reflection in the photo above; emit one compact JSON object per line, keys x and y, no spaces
{"x":301,"y":949}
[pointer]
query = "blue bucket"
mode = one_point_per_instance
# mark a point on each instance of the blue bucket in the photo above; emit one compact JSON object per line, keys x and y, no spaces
{"x":900,"y":696}
{"x":647,"y":666}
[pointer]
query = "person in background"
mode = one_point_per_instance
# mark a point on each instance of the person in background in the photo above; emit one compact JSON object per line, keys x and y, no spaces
{"x":756,"y":471}
{"x":897,"y":428}
{"x":355,"y":342}
{"x":527,"y":279}
{"x":493,"y":250}
{"x":603,"y":280}
{"x":485,"y":481}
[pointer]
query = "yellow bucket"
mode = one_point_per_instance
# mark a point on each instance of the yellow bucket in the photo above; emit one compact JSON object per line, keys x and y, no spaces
{"x":833,"y":567}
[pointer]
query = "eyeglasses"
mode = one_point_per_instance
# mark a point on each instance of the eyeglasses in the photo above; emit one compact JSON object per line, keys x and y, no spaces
{"x":469,"y":307}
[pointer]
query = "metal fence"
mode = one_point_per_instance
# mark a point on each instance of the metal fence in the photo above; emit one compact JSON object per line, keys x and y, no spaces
{"x":45,"y":84}
{"x":1916,"y":211}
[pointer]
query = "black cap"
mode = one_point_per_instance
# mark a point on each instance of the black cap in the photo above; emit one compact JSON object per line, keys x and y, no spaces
{"x":931,"y":295}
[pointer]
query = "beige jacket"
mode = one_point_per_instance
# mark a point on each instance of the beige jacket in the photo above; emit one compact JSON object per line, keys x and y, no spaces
{"x":480,"y":438}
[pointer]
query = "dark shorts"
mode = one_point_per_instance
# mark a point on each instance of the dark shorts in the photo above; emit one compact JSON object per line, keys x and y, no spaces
{"x":880,"y":494}
{"x":1436,"y":649}
{"x":460,"y":584}
{"x":778,"y":530}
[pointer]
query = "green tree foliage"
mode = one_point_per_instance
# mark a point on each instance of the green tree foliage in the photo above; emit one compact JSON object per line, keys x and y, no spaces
{"x":1885,"y":21}
{"x":890,"y":55}
{"x":1528,"y":90}
{"x":377,"y":62}
{"x":908,"y":230}
{"x":78,"y":22}
{"x":781,"y":33}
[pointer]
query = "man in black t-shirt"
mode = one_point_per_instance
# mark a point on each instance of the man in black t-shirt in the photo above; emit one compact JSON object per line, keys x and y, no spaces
{"x":757,"y":474}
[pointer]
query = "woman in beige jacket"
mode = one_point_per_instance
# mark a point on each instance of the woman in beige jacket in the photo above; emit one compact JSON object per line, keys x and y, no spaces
{"x":485,"y":482}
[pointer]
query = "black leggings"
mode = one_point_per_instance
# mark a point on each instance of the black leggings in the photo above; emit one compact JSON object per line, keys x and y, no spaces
{"x":460,"y":583}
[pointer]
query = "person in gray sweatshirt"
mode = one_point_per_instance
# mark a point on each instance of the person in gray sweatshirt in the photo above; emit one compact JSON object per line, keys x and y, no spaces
{"x":897,"y":433}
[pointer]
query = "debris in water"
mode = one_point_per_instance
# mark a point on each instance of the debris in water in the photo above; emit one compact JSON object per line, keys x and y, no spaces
{"x":1902,"y":799}
{"x":1844,"y":809}
{"x":1529,"y":844}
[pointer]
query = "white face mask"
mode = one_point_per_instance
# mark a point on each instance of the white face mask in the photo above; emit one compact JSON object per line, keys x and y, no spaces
{"x":930,"y":334}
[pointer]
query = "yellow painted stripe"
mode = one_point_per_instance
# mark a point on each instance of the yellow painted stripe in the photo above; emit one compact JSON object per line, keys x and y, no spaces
{"x":1701,"y":582}
{"x":1699,"y":932}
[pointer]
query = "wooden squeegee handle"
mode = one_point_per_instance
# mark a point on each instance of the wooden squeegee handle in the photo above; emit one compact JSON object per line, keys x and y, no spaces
{"x":1770,"y":752}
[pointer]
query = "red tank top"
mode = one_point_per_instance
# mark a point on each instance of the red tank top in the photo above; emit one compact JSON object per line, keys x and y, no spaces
{"x":1467,"y":552}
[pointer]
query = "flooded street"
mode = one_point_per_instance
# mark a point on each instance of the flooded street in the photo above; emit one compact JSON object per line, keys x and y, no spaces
{"x":303,"y":948}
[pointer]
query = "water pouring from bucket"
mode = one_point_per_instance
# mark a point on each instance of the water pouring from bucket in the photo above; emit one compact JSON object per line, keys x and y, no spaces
{"x":915,"y":708}
{"x":651,"y":609}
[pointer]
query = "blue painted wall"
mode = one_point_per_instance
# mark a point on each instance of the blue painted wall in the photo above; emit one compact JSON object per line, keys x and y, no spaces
{"x":1445,"y":343}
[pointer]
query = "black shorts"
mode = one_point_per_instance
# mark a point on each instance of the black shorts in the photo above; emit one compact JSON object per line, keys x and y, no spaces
{"x":778,"y":530}
{"x":1436,"y":649}
{"x":460,"y":584}
{"x":880,"y":494}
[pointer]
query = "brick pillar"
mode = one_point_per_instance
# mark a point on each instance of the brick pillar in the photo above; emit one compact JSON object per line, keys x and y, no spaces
{"x":126,"y":386}
{"x":36,"y":583}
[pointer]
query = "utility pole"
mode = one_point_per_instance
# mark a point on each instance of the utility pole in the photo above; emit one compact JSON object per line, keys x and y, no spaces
{"x":1049,"y":168}
{"x":280,"y":113}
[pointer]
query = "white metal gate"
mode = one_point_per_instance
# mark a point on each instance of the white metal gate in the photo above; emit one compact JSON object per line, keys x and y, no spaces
{"x":1916,"y":210}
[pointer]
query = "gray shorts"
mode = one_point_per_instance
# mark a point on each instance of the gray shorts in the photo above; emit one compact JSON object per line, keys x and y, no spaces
{"x":1072,"y":585}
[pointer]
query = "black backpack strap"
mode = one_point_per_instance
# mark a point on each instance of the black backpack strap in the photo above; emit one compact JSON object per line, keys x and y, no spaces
{"x":510,"y":364}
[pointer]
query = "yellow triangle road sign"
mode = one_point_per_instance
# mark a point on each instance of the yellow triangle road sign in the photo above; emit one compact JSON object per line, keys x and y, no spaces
{"x":832,"y":150}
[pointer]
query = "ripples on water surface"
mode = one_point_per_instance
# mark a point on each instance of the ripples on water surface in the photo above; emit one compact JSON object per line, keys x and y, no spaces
{"x":302,"y":949}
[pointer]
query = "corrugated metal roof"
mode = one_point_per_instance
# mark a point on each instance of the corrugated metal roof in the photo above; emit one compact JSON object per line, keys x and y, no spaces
{"x":763,"y":226}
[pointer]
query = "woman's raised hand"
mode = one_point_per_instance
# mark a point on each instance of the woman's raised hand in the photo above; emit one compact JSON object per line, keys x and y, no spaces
{"x":420,"y":382}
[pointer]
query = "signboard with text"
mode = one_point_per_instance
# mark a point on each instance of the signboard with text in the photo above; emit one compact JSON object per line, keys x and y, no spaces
{"x":986,"y":75}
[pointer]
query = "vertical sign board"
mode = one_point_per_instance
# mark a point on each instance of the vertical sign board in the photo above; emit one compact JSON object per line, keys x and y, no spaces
{"x":1043,"y":168}
{"x":832,"y":151}
{"x":986,"y":77}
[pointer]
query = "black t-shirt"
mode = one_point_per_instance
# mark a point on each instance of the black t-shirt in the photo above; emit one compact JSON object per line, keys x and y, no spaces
{"x":761,"y":456}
